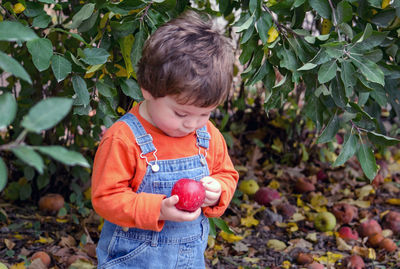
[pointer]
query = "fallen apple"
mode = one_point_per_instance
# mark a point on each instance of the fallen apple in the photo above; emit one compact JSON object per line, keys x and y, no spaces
{"x":370,"y":227}
{"x":347,"y":233}
{"x":191,"y":194}
{"x":43,"y":256}
{"x":325,"y":221}
{"x":388,"y":244}
{"x":344,"y":212}
{"x":392,"y":221}
{"x":355,"y":262}
{"x":265,"y":195}
{"x":51,"y":202}
{"x":249,"y":186}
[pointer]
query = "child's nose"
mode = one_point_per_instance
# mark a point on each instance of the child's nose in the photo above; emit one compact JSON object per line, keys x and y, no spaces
{"x":190,"y":124}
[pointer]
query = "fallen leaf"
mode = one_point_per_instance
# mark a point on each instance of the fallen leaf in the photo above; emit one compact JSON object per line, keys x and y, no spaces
{"x":276,"y":244}
{"x":231,"y":238}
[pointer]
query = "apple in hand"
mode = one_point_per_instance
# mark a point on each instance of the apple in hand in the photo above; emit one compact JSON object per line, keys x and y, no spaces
{"x":325,"y":221}
{"x":191,"y":194}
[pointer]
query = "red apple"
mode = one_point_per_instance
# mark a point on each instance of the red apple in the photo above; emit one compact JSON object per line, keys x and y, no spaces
{"x":191,"y":194}
{"x":392,"y":221}
{"x":304,"y":185}
{"x":370,"y":227}
{"x":347,"y":233}
{"x":265,"y":195}
{"x":321,"y":175}
{"x":344,"y":213}
{"x":355,"y":262}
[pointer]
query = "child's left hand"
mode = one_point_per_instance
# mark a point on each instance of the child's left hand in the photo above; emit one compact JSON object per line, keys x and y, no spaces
{"x":213,"y":191}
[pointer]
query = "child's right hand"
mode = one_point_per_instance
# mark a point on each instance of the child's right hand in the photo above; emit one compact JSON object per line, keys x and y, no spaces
{"x":170,"y":212}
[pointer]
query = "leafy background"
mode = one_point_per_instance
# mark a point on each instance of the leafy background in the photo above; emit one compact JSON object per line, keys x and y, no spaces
{"x":316,"y":88}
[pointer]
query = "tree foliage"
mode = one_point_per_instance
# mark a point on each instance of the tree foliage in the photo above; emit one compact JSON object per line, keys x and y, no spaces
{"x":68,"y":67}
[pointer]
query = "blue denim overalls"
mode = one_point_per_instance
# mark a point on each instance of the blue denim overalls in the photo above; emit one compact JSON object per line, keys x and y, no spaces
{"x":179,"y":244}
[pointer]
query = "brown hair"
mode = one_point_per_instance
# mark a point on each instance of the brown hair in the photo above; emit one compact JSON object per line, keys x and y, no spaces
{"x":189,"y":59}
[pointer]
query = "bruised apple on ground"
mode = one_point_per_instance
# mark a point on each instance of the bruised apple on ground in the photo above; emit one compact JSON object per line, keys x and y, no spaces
{"x":191,"y":194}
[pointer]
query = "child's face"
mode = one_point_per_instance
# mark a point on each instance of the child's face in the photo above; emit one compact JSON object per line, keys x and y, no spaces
{"x":172,"y":118}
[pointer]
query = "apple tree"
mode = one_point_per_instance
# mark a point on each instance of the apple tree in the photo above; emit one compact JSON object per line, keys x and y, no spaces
{"x":68,"y":70}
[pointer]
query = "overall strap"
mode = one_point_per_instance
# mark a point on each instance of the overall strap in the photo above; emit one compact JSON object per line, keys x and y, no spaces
{"x":203,"y":137}
{"x":143,"y":139}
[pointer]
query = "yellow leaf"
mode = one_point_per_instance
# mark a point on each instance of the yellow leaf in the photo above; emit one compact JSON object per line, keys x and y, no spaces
{"x":385,"y":3}
{"x":276,"y":245}
{"x":318,"y":202}
{"x":249,"y":221}
{"x":44,"y":240}
{"x":365,"y":252}
{"x":326,"y":26}
{"x":231,"y":238}
{"x":277,"y":145}
{"x":364,"y":191}
{"x":393,"y":201}
{"x":18,"y":8}
{"x":88,"y":193}
{"x":274,"y":184}
{"x":292,"y":227}
{"x":272,"y":34}
{"x":1,"y":17}
{"x":121,"y":111}
{"x":286,"y":264}
{"x":126,"y":44}
{"x":18,"y":236}
{"x":121,"y":72}
{"x":61,"y":220}
{"x":251,"y":260}
{"x":20,"y":265}
{"x":330,"y":258}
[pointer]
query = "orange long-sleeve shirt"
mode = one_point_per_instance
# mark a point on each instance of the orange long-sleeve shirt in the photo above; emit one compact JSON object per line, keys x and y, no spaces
{"x":118,"y":172}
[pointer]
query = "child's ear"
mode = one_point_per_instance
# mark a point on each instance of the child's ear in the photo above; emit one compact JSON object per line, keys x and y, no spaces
{"x":146,"y":94}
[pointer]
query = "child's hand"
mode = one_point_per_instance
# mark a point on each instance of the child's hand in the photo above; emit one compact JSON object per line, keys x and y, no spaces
{"x":213,"y":191}
{"x":170,"y":212}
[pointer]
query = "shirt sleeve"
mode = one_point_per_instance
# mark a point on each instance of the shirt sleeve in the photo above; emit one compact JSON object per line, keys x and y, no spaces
{"x":113,"y":197}
{"x":222,"y":169}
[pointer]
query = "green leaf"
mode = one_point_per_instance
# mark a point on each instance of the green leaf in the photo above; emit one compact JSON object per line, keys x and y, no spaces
{"x":344,"y":12}
{"x":263,"y":25}
{"x":246,"y":24}
{"x":47,"y":113}
{"x":322,"y":8}
{"x":15,"y":31}
{"x":348,"y":150}
{"x":383,"y":140}
{"x":30,"y":157}
{"x":41,"y":21}
{"x":330,"y":130}
{"x":367,"y":161}
{"x":327,"y":71}
{"x":80,"y":88}
{"x":8,"y":109}
{"x":105,"y":89}
{"x":10,"y":65}
{"x":136,"y":52}
{"x":367,"y":33}
{"x":41,"y":50}
{"x":61,"y":67}
{"x":95,"y":56}
{"x":74,"y":35}
{"x":370,"y":70}
{"x":131,"y":88}
{"x":84,"y":13}
{"x":63,"y":155}
{"x":220,"y":223}
{"x":347,"y":74}
{"x":307,"y":66}
{"x":3,"y":174}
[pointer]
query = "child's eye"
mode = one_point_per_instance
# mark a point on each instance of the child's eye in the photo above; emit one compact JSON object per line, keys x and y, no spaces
{"x":180,"y":115}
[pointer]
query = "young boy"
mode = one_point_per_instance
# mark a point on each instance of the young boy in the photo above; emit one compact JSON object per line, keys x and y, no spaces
{"x":185,"y":72}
